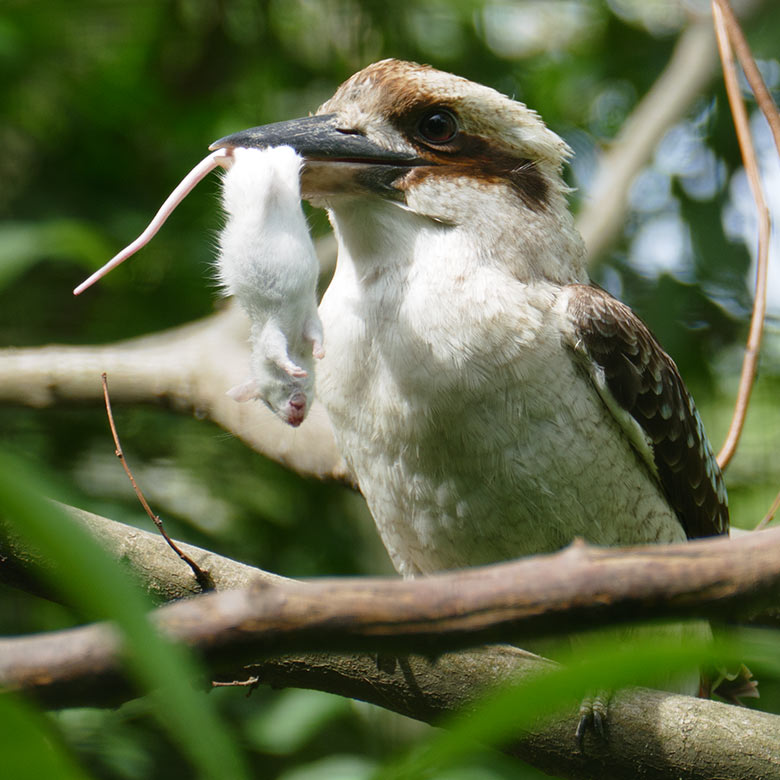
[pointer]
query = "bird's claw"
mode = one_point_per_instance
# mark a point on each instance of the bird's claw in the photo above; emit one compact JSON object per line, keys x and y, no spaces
{"x":593,"y":716}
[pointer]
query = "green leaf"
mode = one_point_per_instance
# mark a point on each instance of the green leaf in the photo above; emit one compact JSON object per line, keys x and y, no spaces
{"x":293,"y":718}
{"x":23,"y":244}
{"x":29,"y":747}
{"x":91,"y":580}
{"x":332,"y":768}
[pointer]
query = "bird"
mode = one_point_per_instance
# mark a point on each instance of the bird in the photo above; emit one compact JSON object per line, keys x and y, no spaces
{"x":490,"y":400}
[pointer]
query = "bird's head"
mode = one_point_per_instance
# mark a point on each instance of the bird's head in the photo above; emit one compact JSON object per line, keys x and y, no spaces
{"x":426,"y":139}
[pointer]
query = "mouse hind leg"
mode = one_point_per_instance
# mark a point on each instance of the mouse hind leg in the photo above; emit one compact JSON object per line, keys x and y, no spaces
{"x":271,"y":344}
{"x":312,"y":332}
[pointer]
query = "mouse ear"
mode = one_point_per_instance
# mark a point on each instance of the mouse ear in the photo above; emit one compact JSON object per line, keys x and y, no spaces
{"x":246,"y":391}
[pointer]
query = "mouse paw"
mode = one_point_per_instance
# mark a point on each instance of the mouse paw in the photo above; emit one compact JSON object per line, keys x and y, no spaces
{"x":293,"y":369}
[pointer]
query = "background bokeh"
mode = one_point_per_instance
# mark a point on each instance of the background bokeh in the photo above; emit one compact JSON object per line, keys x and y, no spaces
{"x":105,"y":104}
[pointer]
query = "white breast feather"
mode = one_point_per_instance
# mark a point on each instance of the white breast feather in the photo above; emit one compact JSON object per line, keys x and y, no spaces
{"x":474,"y":434}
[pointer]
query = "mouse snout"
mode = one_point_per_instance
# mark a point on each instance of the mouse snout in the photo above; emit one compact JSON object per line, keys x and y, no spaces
{"x":296,"y":409}
{"x":298,"y":401}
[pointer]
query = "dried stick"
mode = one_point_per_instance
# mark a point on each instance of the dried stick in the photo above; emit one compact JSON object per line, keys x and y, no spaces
{"x":251,"y":683}
{"x":739,"y":113}
{"x":203,"y":577}
{"x":770,"y":514}
{"x":752,"y":73}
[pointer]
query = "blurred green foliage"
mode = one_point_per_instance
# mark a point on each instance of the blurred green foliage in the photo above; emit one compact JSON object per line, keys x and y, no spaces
{"x":31,"y":747}
{"x":105,"y":104}
{"x":162,"y":669}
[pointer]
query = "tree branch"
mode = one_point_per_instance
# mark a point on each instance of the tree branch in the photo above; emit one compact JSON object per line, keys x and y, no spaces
{"x":156,"y":569}
{"x":231,"y":629}
{"x":662,"y":735}
{"x":690,"y":69}
{"x":189,"y":368}
{"x":650,"y":734}
{"x":656,"y":734}
{"x":578,"y":588}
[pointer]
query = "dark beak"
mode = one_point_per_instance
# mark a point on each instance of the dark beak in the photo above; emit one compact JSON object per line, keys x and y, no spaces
{"x":337,"y":160}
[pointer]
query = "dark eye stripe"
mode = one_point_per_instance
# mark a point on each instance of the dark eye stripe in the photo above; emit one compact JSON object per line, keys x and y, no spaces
{"x":479,"y":158}
{"x":464,"y":154}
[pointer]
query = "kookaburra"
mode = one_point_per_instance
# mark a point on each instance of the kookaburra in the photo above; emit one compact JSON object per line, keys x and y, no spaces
{"x":489,"y":400}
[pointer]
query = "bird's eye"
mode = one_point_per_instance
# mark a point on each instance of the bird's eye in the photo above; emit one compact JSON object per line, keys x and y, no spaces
{"x":438,"y":126}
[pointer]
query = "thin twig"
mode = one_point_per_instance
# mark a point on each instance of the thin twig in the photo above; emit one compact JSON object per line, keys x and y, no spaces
{"x":251,"y":683}
{"x":752,"y":73}
{"x":753,"y":346}
{"x":770,"y":515}
{"x":203,"y":577}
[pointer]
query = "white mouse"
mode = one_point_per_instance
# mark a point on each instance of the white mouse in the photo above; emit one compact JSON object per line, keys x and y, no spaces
{"x":267,"y":261}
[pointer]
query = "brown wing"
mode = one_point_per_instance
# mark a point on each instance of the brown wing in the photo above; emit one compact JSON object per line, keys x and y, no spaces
{"x":645,"y":382}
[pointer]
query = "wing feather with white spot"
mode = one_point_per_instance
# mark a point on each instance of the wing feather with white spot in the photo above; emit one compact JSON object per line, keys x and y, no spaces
{"x":633,"y":374}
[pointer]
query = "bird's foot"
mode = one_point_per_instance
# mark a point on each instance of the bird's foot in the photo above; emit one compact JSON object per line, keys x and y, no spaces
{"x":593,"y":716}
{"x":730,"y":684}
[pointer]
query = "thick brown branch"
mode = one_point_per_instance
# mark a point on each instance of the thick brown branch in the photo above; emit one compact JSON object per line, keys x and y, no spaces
{"x":650,"y":734}
{"x":156,"y":569}
{"x":578,"y":588}
{"x":662,"y":735}
{"x":81,"y":666}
